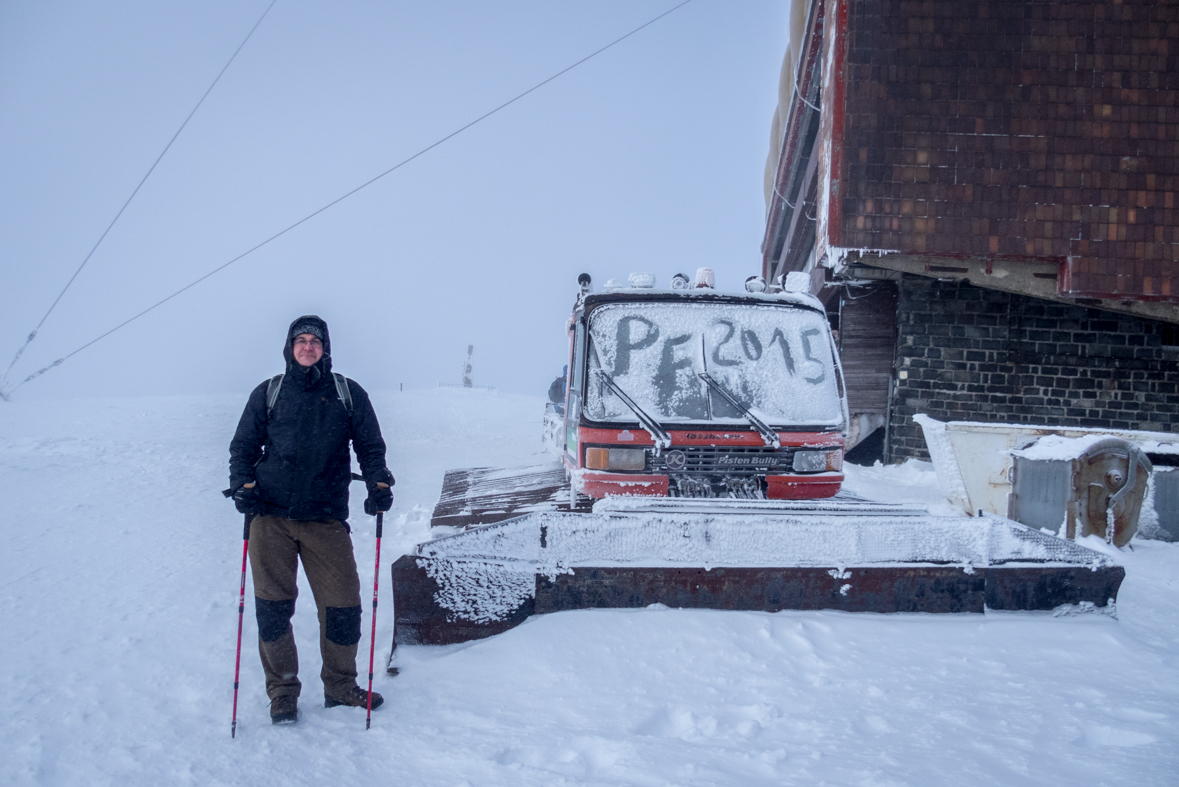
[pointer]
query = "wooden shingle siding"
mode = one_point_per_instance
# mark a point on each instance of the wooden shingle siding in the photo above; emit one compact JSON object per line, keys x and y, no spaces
{"x":1016,"y":129}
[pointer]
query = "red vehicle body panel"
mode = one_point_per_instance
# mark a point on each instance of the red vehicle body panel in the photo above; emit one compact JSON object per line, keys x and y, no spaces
{"x":598,"y":484}
{"x":802,"y":487}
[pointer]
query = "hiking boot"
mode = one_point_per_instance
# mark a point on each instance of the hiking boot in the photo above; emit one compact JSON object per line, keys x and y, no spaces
{"x":284,"y":709}
{"x":355,"y":698}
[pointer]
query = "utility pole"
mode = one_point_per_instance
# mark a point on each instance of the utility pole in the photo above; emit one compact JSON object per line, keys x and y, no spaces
{"x":467,"y":367}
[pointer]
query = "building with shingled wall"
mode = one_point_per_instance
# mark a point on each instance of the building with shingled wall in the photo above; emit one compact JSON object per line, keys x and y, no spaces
{"x":984,"y":195}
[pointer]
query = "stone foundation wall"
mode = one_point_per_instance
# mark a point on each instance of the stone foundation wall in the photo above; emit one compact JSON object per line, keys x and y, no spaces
{"x":965,"y":353}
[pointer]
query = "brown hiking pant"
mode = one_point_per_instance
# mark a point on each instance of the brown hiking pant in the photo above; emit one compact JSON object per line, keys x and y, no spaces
{"x":325,"y":547}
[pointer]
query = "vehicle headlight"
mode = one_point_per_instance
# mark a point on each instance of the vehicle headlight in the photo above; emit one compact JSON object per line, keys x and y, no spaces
{"x":615,"y":459}
{"x":817,"y":461}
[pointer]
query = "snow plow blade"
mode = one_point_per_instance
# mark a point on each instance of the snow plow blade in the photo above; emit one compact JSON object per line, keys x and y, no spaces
{"x":487,"y":580}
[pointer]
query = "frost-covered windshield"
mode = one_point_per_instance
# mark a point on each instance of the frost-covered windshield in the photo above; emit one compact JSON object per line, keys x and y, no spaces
{"x":775,"y":360}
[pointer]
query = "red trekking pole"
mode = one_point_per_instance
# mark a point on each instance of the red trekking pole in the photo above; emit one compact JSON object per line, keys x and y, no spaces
{"x":372,"y":640}
{"x":241,"y":610}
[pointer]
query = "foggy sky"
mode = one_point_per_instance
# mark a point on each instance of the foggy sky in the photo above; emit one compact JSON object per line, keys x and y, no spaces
{"x":647,"y":158}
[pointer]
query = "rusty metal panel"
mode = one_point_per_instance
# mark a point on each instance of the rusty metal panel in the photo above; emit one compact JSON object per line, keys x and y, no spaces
{"x":901,"y":589}
{"x":1047,"y":587}
{"x":419,"y":620}
{"x":483,"y":495}
{"x":1110,"y":483}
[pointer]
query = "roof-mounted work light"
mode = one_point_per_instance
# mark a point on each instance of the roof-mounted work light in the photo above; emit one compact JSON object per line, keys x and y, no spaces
{"x":797,"y":281}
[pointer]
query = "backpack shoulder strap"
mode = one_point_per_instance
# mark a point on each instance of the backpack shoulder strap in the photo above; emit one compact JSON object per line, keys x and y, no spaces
{"x":343,"y":391}
{"x":272,"y":389}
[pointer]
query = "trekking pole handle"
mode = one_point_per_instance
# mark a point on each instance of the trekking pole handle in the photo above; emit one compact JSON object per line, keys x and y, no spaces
{"x":359,"y":477}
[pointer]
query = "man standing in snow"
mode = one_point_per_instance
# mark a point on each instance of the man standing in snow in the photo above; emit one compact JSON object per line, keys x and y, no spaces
{"x":289,"y":468}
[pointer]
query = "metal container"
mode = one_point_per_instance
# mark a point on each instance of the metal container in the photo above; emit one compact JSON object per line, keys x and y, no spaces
{"x":1041,"y":491}
{"x":1082,"y":487}
{"x":974,"y":460}
{"x":1166,"y":501}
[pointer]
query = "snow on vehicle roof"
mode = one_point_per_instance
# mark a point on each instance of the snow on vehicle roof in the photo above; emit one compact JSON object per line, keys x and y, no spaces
{"x":803,"y":299}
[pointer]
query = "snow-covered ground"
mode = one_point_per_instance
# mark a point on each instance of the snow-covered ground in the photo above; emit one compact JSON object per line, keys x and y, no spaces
{"x":118,"y":611}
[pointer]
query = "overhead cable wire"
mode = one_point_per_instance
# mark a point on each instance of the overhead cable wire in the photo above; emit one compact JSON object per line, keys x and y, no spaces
{"x":101,"y":238}
{"x":780,"y":194}
{"x":346,"y":195}
{"x":801,"y":97}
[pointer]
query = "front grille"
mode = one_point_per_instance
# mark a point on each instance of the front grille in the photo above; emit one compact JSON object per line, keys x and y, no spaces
{"x":738,"y":461}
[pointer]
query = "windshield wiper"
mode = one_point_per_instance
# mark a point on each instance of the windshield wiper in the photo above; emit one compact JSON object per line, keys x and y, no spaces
{"x":658,"y":433}
{"x":767,"y":434}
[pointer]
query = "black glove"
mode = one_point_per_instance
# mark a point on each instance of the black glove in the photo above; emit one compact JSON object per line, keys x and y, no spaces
{"x":383,"y":476}
{"x":248,"y":500}
{"x":379,"y":498}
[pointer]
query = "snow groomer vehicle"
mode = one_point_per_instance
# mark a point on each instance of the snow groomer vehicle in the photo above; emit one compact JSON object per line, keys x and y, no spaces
{"x":698,"y":462}
{"x":695,"y":393}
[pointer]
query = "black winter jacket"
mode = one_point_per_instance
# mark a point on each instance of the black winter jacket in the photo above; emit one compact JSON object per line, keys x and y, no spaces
{"x":299,"y":455}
